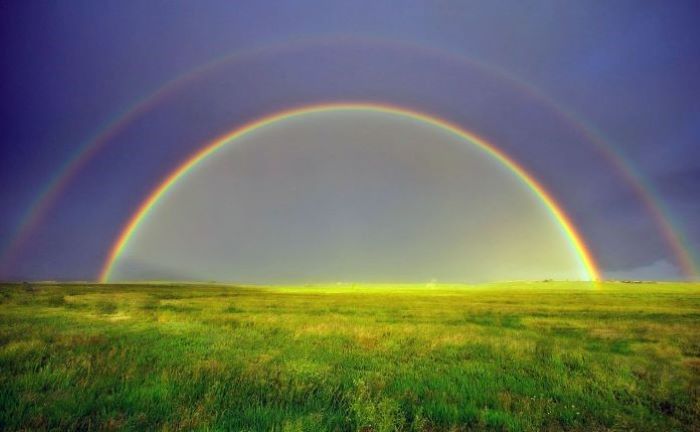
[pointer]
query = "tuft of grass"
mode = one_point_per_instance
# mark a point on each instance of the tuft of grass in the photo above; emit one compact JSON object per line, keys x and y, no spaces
{"x":56,"y":300}
{"x":233,"y":310}
{"x":106,"y":307}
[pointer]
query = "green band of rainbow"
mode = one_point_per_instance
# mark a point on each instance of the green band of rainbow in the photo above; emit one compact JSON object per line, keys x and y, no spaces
{"x":139,"y":216}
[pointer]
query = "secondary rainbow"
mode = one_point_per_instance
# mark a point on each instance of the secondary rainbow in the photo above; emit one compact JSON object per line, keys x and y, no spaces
{"x":644,"y":190}
{"x":565,"y":223}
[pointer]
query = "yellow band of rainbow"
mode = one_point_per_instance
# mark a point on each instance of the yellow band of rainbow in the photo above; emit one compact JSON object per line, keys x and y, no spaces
{"x":567,"y":226}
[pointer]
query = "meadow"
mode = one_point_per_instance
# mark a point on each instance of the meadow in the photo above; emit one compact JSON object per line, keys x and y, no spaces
{"x":511,"y":356}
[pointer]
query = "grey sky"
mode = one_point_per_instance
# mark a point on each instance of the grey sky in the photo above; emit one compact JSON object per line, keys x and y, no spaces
{"x":349,"y":196}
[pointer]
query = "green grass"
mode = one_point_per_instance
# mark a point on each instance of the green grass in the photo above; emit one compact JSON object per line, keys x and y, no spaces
{"x":521,"y":357}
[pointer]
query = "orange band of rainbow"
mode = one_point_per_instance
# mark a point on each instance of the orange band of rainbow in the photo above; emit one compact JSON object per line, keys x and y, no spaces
{"x":565,"y":223}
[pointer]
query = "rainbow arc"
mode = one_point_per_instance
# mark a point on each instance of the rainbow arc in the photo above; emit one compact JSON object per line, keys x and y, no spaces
{"x":576,"y":242}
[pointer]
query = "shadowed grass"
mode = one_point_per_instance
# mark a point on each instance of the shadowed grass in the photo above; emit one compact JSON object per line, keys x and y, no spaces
{"x":521,"y":357}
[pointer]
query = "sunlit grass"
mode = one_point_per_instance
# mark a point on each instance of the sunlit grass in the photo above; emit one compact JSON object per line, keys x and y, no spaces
{"x":519,"y":356}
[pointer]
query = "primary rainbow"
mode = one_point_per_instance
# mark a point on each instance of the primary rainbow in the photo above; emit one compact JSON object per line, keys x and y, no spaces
{"x":564,"y":221}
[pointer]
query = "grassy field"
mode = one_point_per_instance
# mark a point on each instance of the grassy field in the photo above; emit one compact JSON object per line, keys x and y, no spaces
{"x":520,"y":356}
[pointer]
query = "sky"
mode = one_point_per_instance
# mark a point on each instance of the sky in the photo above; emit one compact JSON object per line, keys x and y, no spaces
{"x":598,"y":102}
{"x":349,"y":196}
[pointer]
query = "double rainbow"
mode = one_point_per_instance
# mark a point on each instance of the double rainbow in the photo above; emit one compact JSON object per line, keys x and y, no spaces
{"x":644,"y":190}
{"x":575,"y":240}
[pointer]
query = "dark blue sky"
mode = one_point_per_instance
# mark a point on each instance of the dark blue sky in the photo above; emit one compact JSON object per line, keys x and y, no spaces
{"x":627,"y":70}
